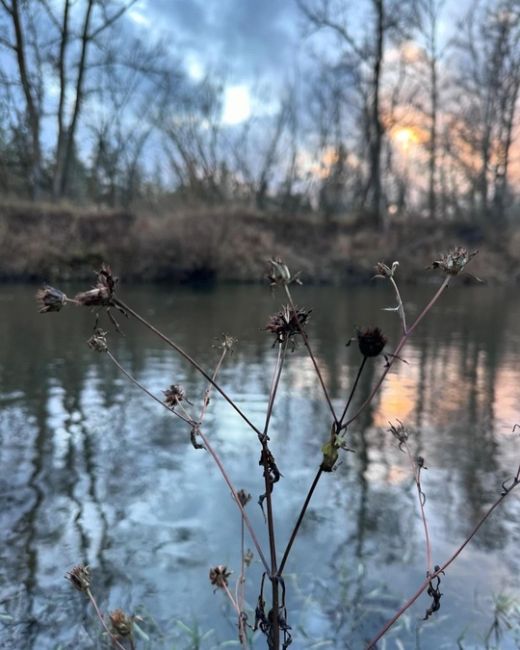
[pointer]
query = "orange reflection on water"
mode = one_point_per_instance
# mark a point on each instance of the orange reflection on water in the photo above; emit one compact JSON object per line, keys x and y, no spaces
{"x":397,"y":398}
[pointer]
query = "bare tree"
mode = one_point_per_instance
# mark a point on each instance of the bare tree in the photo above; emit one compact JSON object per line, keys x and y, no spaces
{"x":27,"y":60}
{"x":488,"y":75}
{"x":368,"y":48}
{"x":429,"y":12}
{"x":74,"y":62}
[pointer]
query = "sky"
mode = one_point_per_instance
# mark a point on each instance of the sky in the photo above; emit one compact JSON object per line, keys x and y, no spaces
{"x":251,"y":43}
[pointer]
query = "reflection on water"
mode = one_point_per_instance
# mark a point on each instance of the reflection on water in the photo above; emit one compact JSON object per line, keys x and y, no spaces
{"x":93,"y":472}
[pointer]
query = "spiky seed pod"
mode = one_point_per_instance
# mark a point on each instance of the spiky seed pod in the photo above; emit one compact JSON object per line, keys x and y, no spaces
{"x":50,"y":299}
{"x":453,"y":262}
{"x":371,"y":341}
{"x":286,"y":323}
{"x":218,"y":576}
{"x":174,"y":395}
{"x":98,"y":341}
{"x":244,"y":497}
{"x":101,"y":295}
{"x":79,"y":577}
{"x":121,"y":623}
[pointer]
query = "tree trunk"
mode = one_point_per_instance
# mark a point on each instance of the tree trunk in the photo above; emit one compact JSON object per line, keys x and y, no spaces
{"x":33,"y":111}
{"x":376,"y":129}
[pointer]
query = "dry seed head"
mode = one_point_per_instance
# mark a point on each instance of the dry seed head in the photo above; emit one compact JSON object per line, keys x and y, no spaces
{"x":79,"y":577}
{"x":174,"y":395}
{"x":371,"y":341}
{"x":218,"y":576}
{"x":453,"y":262}
{"x":244,"y":497}
{"x":121,"y":623}
{"x":101,"y":295}
{"x":50,"y":299}
{"x":225,"y":342}
{"x":384,"y":271}
{"x":286,"y":323}
{"x":98,"y":341}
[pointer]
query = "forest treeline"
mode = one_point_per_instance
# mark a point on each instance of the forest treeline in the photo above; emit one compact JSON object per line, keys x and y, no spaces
{"x":399,"y":110}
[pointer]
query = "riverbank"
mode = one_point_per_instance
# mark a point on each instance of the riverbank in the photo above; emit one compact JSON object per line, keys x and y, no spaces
{"x":50,"y":243}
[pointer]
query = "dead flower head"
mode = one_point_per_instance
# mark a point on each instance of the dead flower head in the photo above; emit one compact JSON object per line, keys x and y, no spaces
{"x":98,"y":341}
{"x":384,"y":271}
{"x":279,"y":274}
{"x":50,"y":299}
{"x":453,"y":263}
{"x":286,"y":323}
{"x":218,"y":576}
{"x":244,"y":497}
{"x":79,"y":577}
{"x":174,"y":395}
{"x":371,"y":341}
{"x":101,"y":295}
{"x":121,"y":623}
{"x":225,"y":342}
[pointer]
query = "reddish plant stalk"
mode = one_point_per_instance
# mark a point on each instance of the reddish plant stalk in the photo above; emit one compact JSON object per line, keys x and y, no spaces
{"x":102,"y":620}
{"x":282,"y":348}
{"x":368,"y":400}
{"x":215,"y":457}
{"x":189,"y":359}
{"x":311,"y":355}
{"x":441,"y":569}
{"x":404,"y":338}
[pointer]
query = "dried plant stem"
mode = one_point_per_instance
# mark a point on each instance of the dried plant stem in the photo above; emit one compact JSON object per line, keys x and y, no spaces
{"x":189,"y":359}
{"x":282,"y":349}
{"x":250,"y":528}
{"x":240,"y":588}
{"x":353,"y":390}
{"x":231,"y":599}
{"x":441,"y":569}
{"x":311,"y":355}
{"x":416,"y":469}
{"x":144,"y":389}
{"x":299,"y":521}
{"x":214,"y":455}
{"x":102,"y":620}
{"x":397,"y":350}
{"x":400,"y":305}
{"x":207,"y":393}
{"x":339,"y":424}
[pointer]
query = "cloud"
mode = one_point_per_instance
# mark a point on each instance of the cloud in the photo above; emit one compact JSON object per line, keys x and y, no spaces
{"x":246,"y":39}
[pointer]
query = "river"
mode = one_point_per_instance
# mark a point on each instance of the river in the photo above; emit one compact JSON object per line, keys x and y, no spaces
{"x":93,"y":471}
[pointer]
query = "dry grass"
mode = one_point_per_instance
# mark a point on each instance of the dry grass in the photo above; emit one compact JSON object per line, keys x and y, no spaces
{"x":48,"y":242}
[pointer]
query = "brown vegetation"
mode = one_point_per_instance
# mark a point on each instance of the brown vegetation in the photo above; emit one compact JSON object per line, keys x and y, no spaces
{"x":45,"y":242}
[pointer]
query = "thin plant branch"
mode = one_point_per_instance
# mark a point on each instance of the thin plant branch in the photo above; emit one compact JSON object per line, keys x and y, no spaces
{"x":189,"y":359}
{"x":135,"y":381}
{"x":400,"y":305}
{"x":353,"y":390}
{"x":441,"y":569}
{"x":416,"y":469}
{"x":311,"y":355}
{"x":367,"y":401}
{"x":282,"y":349}
{"x":399,"y":347}
{"x":299,"y":521}
{"x":215,"y":457}
{"x":101,"y":618}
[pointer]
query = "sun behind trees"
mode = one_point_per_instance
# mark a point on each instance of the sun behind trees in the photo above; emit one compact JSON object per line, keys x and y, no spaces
{"x":393,"y":110}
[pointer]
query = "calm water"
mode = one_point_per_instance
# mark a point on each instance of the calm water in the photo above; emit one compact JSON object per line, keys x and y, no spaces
{"x":93,"y":471}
